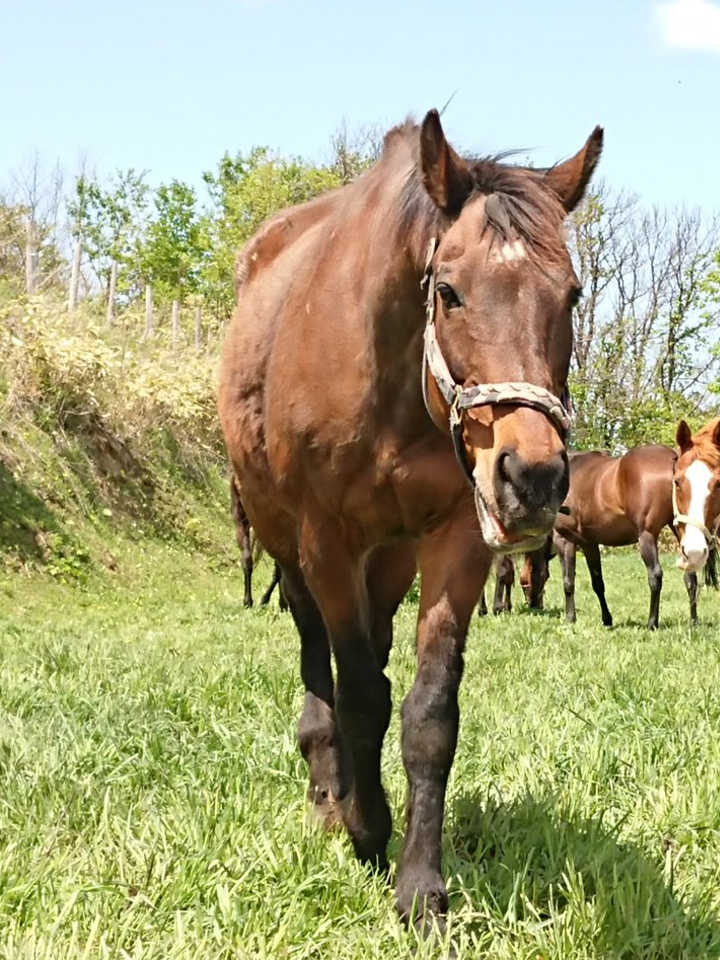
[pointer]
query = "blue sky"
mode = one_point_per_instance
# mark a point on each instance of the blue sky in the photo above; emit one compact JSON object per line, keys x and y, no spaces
{"x":169,"y":86}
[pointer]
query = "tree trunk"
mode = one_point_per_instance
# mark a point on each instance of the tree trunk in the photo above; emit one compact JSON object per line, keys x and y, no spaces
{"x":175,"y":323}
{"x":198,"y":327}
{"x":111,"y":293}
{"x":31,"y":258}
{"x":75,"y":277}
{"x":149,"y":315}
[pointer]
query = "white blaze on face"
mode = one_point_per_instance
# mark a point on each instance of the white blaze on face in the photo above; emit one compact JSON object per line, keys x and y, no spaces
{"x":694,"y":544}
{"x":510,"y":252}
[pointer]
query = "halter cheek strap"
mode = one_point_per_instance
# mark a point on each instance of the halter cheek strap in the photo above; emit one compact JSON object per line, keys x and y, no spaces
{"x":460,"y":399}
{"x":712,"y":538}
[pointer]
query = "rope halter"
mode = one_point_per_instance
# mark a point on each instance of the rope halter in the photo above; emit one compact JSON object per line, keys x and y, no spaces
{"x":712,"y":538}
{"x":460,"y":399}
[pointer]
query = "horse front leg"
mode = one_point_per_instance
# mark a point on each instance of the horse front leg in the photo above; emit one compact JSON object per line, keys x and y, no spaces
{"x":336,"y":578}
{"x":318,"y":730}
{"x":649,"y":553}
{"x":567,"y":553}
{"x":691,"y":585}
{"x":454,"y":564}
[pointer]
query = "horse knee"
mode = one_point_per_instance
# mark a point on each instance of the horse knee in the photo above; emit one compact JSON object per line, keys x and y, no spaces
{"x":363,"y":705}
{"x":429,"y":732}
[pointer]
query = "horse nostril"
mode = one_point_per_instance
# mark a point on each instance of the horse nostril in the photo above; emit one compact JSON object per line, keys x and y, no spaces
{"x":504,"y":467}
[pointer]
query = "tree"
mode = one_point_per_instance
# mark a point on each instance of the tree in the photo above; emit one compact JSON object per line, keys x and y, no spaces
{"x":110,"y":221}
{"x":173,"y":252}
{"x":642,"y":354}
{"x":30,"y":225}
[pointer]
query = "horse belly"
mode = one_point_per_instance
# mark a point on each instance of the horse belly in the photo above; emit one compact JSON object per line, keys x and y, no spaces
{"x":616,"y":532}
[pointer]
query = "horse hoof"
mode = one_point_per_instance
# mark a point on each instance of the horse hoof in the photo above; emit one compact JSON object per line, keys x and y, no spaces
{"x":326,"y":808}
{"x":607,"y":621}
{"x":422,"y":903}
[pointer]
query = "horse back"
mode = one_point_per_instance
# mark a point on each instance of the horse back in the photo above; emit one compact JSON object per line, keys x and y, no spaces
{"x":645,"y":477}
{"x":612,"y":499}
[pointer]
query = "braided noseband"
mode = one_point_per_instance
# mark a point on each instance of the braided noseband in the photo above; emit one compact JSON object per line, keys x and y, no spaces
{"x":459,"y":399}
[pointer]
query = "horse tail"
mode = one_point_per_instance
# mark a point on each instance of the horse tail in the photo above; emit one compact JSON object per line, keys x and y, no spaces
{"x":711,"y":572}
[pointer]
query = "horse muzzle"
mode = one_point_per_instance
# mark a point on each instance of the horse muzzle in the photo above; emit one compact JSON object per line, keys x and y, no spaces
{"x":501,"y":539}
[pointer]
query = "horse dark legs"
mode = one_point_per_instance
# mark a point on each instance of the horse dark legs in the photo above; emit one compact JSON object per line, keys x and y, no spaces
{"x":452,"y":580}
{"x":503,"y":585}
{"x":318,"y":733}
{"x":362,"y":691}
{"x":649,"y":553}
{"x":242,"y":532}
{"x":390,"y":573}
{"x":691,"y":585}
{"x":567,"y":554}
{"x":592,"y":556}
{"x":275,"y":582}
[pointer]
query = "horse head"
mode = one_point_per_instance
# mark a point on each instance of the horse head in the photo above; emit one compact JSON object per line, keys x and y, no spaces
{"x":696,"y":495}
{"x":499,"y":332}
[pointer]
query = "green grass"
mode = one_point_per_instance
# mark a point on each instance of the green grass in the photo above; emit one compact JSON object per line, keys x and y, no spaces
{"x":152,"y":793}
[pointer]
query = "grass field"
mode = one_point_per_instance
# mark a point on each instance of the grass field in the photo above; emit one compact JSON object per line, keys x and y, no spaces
{"x":152,"y":799}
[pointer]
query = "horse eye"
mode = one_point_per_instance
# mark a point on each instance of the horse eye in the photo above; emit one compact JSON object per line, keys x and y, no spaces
{"x":449,"y":297}
{"x":575,"y":297}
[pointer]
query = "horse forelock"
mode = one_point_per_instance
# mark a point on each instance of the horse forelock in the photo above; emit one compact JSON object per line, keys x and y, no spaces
{"x":704,"y":447}
{"x":518,"y":206}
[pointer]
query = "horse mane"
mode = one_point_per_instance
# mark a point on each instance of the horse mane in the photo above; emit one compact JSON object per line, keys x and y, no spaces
{"x":518,"y":203}
{"x":703,"y":445}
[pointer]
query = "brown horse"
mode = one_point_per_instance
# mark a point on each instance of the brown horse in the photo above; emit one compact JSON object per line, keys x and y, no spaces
{"x":536,"y":573}
{"x":533,"y":577}
{"x":616,"y":501}
{"x":389,"y":396}
{"x":696,"y":498}
{"x":504,"y":582}
{"x":243,"y":534}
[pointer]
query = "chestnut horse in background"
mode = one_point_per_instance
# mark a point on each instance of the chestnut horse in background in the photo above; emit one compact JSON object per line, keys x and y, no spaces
{"x":616,"y":501}
{"x":533,"y":577}
{"x":243,"y":534}
{"x":389,"y":397}
{"x":696,"y":498}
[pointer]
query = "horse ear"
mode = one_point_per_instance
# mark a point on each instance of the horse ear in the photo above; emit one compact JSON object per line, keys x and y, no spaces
{"x":716,"y":434}
{"x":570,"y":178}
{"x":445,"y":175}
{"x":683,"y":437}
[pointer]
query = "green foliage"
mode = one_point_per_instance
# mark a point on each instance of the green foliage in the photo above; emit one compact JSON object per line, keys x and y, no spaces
{"x":98,"y":429}
{"x":110,"y":221}
{"x":173,"y":249}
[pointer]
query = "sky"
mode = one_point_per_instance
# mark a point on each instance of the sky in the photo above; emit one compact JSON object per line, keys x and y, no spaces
{"x":168,"y":86}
